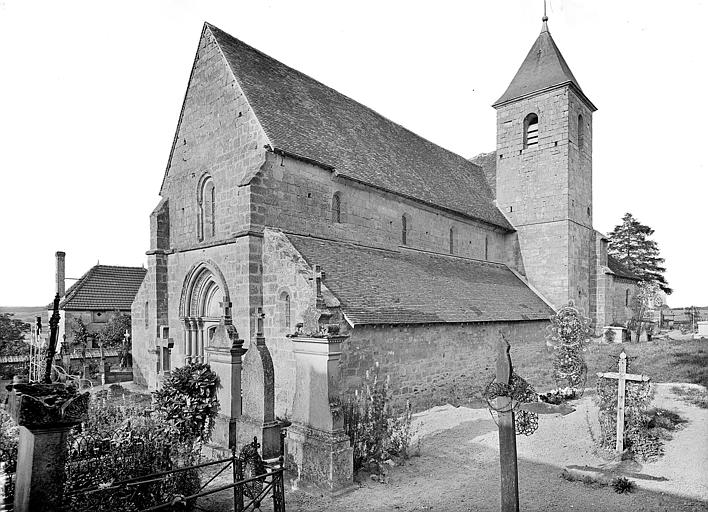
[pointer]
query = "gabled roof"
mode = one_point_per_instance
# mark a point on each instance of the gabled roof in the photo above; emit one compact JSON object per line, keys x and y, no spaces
{"x":543,"y":68}
{"x":620,"y":270}
{"x":104,"y":288}
{"x":309,"y":120}
{"x":378,"y":286}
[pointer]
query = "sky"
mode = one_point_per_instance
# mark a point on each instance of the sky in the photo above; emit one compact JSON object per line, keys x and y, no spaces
{"x":91,"y":93}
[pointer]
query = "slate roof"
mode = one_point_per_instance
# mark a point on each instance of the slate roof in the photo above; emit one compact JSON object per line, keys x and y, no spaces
{"x":543,"y":68}
{"x":376,"y":286}
{"x":619,"y":269}
{"x":104,"y":288}
{"x":307,"y":119}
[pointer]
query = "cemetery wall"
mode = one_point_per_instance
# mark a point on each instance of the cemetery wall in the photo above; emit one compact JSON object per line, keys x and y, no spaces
{"x":296,"y":196}
{"x":436,"y":364}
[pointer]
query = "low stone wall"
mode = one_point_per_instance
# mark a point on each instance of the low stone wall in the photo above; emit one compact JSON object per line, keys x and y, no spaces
{"x":436,"y":364}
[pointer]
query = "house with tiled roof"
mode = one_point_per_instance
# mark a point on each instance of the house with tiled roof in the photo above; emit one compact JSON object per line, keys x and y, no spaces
{"x":102,"y":292}
{"x":289,"y":209}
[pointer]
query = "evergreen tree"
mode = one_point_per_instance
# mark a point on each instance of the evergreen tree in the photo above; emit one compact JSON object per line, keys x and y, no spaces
{"x":631,"y":245}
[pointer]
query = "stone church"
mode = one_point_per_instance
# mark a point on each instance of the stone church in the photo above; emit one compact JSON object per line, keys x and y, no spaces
{"x":290,"y":212}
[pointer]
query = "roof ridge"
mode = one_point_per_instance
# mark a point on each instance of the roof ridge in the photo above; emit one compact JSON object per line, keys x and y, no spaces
{"x":333,"y":90}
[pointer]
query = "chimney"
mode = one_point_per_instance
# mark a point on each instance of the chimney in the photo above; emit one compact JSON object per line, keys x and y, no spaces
{"x":61,"y":273}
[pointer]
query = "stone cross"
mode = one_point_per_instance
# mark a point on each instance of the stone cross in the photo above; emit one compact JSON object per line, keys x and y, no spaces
{"x":622,"y":376}
{"x":507,"y":434}
{"x":507,"y":429}
{"x":259,"y":321}
{"x":226,"y":307}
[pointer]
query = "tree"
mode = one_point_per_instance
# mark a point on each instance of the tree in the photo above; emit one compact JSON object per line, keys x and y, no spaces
{"x":631,"y":245}
{"x":641,"y":303}
{"x":12,"y":335}
{"x":112,"y":334}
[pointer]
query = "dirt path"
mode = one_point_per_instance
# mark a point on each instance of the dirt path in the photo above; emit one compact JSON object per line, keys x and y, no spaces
{"x":458,"y":467}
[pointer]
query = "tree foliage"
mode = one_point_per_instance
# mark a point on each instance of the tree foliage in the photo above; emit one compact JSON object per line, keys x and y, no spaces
{"x":12,"y":334}
{"x":112,"y":334}
{"x":630,"y":243}
{"x":187,"y":400}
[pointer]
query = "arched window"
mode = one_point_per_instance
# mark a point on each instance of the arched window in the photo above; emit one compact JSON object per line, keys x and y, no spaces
{"x":530,"y":130}
{"x":206,"y":227}
{"x":285,"y":308}
{"x":452,"y":240}
{"x":404,"y":229}
{"x":337,"y":208}
{"x":581,"y":133}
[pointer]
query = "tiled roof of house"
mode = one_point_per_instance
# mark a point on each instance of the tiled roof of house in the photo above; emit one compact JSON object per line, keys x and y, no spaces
{"x":620,"y":270}
{"x":376,"y":286}
{"x":104,"y":288}
{"x":543,"y":68}
{"x":307,"y":119}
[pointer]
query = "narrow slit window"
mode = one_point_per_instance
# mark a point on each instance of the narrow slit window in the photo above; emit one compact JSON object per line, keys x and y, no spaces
{"x":486,"y":247}
{"x":530,"y":130}
{"x":337,"y":208}
{"x":452,"y":240}
{"x":285,"y":297}
{"x":581,"y":133}
{"x":626,"y":297}
{"x":206,"y":221}
{"x":404,"y":230}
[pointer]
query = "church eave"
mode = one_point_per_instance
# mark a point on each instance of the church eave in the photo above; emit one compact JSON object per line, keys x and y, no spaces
{"x":569,"y":83}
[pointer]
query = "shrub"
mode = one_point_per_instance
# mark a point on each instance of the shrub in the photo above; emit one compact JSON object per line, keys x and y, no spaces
{"x":622,"y":485}
{"x":188,"y":400}
{"x":375,"y":431}
{"x":610,"y":335}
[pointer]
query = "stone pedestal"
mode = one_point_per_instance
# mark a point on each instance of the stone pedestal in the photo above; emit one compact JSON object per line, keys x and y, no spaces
{"x":45,"y":414}
{"x":618,"y":333}
{"x":224,"y":357}
{"x":702,"y":329}
{"x":317,"y":443}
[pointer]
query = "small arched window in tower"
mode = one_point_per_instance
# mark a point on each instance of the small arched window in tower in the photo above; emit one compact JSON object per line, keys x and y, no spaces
{"x":626,"y":297}
{"x":337,"y":208}
{"x":452,"y":240}
{"x":581,"y":133}
{"x":206,"y":227}
{"x":405,"y":226}
{"x":530,"y":130}
{"x":285,"y":304}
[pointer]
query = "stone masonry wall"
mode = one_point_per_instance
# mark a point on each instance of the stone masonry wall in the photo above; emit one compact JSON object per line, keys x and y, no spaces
{"x":143,"y":340}
{"x":297,"y":197}
{"x":437,"y":364}
{"x":621,"y":313}
{"x":218,"y":135}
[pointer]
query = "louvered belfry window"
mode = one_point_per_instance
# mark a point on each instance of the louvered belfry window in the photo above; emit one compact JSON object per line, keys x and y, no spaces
{"x":530,"y":130}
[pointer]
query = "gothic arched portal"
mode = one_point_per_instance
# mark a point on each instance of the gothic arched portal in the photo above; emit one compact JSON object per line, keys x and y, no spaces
{"x":204,"y":297}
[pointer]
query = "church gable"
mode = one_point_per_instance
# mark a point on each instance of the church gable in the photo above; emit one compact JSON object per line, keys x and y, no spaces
{"x":218,"y":141}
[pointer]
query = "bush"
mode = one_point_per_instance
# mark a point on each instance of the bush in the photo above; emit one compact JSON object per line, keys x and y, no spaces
{"x":187,"y":400}
{"x":375,"y":431}
{"x":622,"y":485}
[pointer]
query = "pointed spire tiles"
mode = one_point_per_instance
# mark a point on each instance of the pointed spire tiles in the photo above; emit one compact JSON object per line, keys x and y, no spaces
{"x":544,"y":68}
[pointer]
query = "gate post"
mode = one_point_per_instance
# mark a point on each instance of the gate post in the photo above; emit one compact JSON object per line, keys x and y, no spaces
{"x":317,"y":442}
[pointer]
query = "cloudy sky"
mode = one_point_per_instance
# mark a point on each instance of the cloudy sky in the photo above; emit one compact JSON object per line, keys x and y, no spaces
{"x":91,"y":92}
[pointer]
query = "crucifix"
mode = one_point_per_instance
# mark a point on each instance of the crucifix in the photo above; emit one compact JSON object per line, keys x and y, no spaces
{"x":507,"y":430}
{"x":226,"y":307}
{"x":259,"y":322}
{"x":622,"y":377}
{"x":319,"y":275}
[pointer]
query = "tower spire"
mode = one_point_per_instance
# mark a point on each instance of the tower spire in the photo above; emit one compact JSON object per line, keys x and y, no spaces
{"x":544,"y":28}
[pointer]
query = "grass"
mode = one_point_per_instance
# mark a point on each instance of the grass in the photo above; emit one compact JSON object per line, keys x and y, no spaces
{"x":697,"y":397}
{"x":662,"y":360}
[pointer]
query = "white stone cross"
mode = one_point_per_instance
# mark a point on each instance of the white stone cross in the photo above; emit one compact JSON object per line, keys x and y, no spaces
{"x":622,"y":376}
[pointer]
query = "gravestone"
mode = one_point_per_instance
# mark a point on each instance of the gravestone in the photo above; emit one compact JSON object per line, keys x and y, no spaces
{"x":317,"y":443}
{"x":258,"y":391}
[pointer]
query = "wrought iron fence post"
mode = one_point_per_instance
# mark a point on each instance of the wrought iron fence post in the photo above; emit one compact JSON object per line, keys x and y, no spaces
{"x":238,"y":489}
{"x":279,"y":488}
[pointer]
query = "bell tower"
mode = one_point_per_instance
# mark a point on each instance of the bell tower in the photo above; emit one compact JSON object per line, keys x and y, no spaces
{"x":544,"y":173}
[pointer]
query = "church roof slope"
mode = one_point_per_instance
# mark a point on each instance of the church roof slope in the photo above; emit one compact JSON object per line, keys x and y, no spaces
{"x":104,"y":288}
{"x":620,"y":270}
{"x":376,"y":286}
{"x":543,"y":68}
{"x":309,"y":120}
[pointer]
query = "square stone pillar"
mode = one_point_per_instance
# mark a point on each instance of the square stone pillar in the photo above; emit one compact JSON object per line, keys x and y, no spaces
{"x":224,"y":356}
{"x":317,"y":443}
